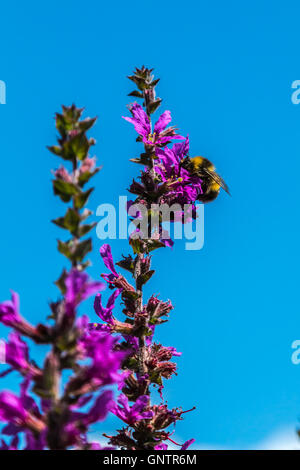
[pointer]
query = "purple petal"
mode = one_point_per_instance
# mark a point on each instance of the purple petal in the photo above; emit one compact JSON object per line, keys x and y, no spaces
{"x":100,"y":408}
{"x":140,"y":120}
{"x":105,"y":252}
{"x":140,"y":403}
{"x":111,"y":301}
{"x":11,"y":407}
{"x":162,"y":122}
{"x":104,"y":313}
{"x":187,"y":444}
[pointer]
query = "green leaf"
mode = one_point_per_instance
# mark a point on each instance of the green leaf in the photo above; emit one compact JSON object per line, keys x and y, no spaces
{"x":86,"y":124}
{"x":82,"y":249}
{"x":84,"y":177}
{"x":152,"y":107}
{"x":84,"y":229}
{"x":140,"y":82}
{"x":136,"y":94}
{"x":155,"y":378}
{"x":60,"y":283}
{"x":154,"y":244}
{"x":64,"y":190}
{"x":81,"y":198}
{"x":144,"y":159}
{"x":136,"y":244}
{"x":61,"y":124}
{"x":144,"y":278}
{"x":80,"y":146}
{"x":155,"y":82}
{"x":65,"y":248}
{"x":56,"y":149}
{"x":69,"y":222}
{"x":60,"y":222}
{"x":127,"y":263}
{"x":71,"y":113}
{"x":72,"y":220}
{"x":129,"y":294}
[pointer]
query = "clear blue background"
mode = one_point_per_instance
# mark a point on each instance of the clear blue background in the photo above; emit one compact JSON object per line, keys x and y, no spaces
{"x":226,"y":71}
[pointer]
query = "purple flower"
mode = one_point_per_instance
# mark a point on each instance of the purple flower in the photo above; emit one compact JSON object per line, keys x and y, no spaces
{"x":105,"y":252}
{"x":161,"y":134}
{"x":100,"y":408}
{"x":27,"y":401}
{"x":134,"y":413}
{"x":140,"y":120}
{"x":10,"y":311}
{"x":124,"y":376}
{"x":97,"y":446}
{"x":16,"y":355}
{"x":106,"y":313}
{"x":183,"y":187}
{"x":34,"y":441}
{"x":73,"y":431}
{"x":105,"y":362}
{"x":16,"y":352}
{"x":161,"y":447}
{"x":174,"y":351}
{"x":78,"y":289}
{"x":187,"y":444}
{"x":12,"y":408}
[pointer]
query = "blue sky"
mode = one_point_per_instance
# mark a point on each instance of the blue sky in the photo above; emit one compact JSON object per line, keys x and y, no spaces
{"x":226,"y":72}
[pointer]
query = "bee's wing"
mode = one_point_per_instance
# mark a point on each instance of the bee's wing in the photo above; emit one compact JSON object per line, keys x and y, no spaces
{"x":217,"y":179}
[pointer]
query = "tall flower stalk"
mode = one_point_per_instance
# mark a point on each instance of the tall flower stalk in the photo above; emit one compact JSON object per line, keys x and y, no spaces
{"x":51,"y":413}
{"x":163,"y":180}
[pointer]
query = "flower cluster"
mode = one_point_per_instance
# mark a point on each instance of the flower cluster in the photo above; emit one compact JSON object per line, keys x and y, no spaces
{"x":49,"y":413}
{"x":164,"y":179}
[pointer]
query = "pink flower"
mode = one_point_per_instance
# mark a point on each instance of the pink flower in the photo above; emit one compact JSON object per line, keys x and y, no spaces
{"x":87,"y":165}
{"x":62,"y":174}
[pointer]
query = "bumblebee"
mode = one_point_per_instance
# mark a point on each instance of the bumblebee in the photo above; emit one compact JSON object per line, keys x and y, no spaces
{"x":211,"y":181}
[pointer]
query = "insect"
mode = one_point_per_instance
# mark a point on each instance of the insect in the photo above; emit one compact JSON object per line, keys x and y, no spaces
{"x":211,"y":181}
